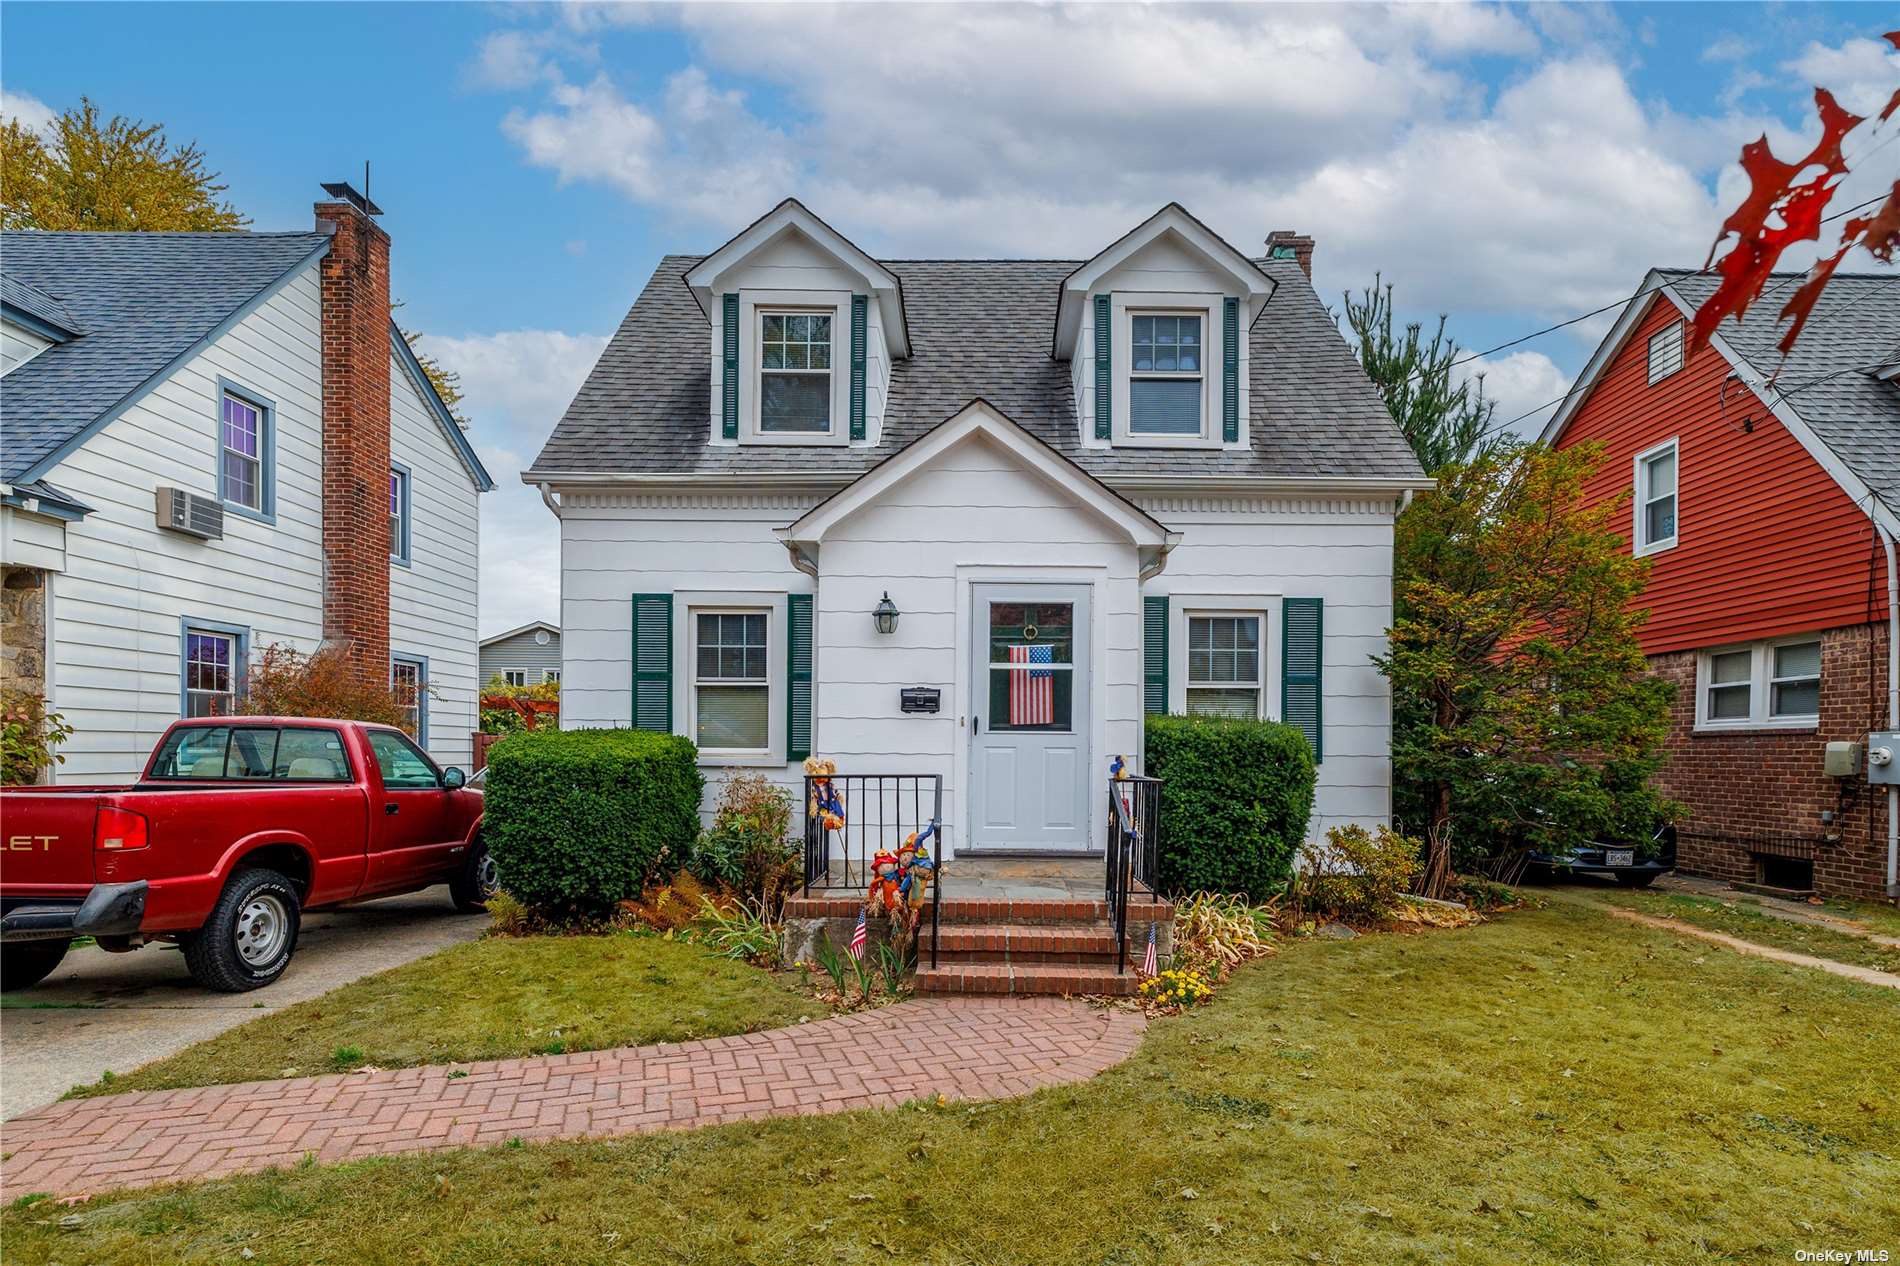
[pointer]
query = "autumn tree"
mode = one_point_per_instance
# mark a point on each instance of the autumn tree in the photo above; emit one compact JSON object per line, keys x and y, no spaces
{"x":1524,"y":714}
{"x":118,"y":174}
{"x":447,"y":382}
{"x":1442,"y":417}
{"x":284,"y":681}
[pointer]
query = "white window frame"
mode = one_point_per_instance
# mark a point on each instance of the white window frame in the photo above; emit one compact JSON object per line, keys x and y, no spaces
{"x":686,"y":677}
{"x":753,"y":306}
{"x":1761,"y":683}
{"x":551,"y":674}
{"x":1165,"y":375}
{"x":1672,"y":331}
{"x":509,"y":675}
{"x":1185,"y":606}
{"x":1124,"y":307}
{"x":1258,"y":685}
{"x":1640,"y":544}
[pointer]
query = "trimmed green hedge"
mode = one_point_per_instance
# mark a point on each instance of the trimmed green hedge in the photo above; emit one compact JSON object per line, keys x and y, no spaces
{"x":1235,"y":798}
{"x":578,"y":820}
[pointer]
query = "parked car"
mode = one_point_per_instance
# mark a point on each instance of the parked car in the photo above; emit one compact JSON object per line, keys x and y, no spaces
{"x":1629,"y":864}
{"x":236,"y":827}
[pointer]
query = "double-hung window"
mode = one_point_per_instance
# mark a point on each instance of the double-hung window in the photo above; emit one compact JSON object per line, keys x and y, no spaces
{"x":731,"y":682}
{"x":795,"y":372}
{"x":1655,"y":501}
{"x":1165,"y":379}
{"x":1223,"y":665}
{"x":1775,"y":683}
{"x":399,"y":514}
{"x":551,"y":674}
{"x":514,"y":677}
{"x":213,"y":670}
{"x":409,"y":682}
{"x":244,"y":452}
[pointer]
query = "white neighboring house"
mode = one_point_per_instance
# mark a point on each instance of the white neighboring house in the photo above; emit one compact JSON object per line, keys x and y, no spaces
{"x":214,"y":442}
{"x":1157,"y":475}
{"x":526,"y":656}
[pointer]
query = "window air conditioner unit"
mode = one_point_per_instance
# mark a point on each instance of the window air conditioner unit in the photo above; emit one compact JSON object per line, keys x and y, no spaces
{"x":187,"y":512}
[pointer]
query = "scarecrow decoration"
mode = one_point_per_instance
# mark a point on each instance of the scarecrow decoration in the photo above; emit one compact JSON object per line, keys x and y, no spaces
{"x":823,"y":803}
{"x":882,"y":896}
{"x":915,"y":871}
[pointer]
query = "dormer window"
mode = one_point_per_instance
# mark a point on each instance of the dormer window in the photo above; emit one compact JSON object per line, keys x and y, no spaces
{"x":795,"y":386}
{"x":1165,"y":385}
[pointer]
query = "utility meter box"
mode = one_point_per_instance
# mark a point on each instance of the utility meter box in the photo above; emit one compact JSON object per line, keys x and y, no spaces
{"x":1883,"y":760}
{"x":1842,"y":760}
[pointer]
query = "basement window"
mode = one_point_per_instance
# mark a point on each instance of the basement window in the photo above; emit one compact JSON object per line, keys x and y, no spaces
{"x":1763,"y":685}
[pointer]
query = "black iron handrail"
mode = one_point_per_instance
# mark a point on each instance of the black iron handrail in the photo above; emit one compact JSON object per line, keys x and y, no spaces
{"x":1134,"y":820}
{"x":878,"y":811}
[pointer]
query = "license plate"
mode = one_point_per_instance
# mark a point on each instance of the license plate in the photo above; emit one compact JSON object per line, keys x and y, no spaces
{"x":1619,"y":857}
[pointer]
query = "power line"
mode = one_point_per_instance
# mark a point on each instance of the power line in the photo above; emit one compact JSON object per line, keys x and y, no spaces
{"x":1565,"y":324}
{"x":1780,"y":392}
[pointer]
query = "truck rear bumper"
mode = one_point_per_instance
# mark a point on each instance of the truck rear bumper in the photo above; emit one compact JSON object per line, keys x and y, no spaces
{"x":108,"y":910}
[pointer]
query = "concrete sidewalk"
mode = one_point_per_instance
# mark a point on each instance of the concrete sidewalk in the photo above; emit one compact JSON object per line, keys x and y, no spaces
{"x":101,"y":1011}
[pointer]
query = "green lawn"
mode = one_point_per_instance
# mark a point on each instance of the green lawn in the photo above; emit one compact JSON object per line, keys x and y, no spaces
{"x":1746,"y":920}
{"x":494,"y":999}
{"x":1555,"y":1086}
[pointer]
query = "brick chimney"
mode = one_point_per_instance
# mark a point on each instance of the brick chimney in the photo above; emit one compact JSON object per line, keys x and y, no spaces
{"x":1286,"y":244}
{"x":355,"y":279}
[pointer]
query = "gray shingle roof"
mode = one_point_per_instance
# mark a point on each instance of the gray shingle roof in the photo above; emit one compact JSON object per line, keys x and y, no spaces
{"x":1829,"y":377}
{"x":978,"y":327}
{"x":37,"y":304}
{"x":140,"y":301}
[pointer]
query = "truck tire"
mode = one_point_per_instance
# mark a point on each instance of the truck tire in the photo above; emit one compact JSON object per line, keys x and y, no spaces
{"x":476,"y":882}
{"x":249,"y":938}
{"x":24,"y":964}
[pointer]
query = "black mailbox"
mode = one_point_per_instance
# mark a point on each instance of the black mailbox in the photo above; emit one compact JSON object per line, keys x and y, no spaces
{"x":921,"y":699}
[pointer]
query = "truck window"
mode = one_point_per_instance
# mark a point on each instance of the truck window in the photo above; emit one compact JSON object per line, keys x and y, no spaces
{"x":194,"y":752}
{"x":252,"y":752}
{"x":404,"y":766}
{"x":312,"y":756}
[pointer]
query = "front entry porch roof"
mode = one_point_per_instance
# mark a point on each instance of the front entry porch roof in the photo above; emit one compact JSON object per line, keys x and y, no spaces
{"x":980,"y":419}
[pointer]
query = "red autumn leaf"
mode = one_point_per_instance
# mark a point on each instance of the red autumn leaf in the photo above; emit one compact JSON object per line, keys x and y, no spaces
{"x":1879,"y":233}
{"x":1773,"y":192}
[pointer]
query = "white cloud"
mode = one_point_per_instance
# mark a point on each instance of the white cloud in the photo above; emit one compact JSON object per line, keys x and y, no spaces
{"x":1862,"y":73}
{"x":516,"y":384}
{"x":29,"y":111}
{"x":1523,"y":384}
{"x":1464,"y":28}
{"x":1726,"y":47}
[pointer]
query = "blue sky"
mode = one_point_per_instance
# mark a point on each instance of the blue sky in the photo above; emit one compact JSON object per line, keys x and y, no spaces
{"x":1508,"y":165}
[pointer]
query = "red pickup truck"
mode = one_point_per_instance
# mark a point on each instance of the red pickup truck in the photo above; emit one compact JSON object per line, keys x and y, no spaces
{"x":237,"y":826}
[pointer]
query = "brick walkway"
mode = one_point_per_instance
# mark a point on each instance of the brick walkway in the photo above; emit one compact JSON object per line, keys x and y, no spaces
{"x":963,"y":1048}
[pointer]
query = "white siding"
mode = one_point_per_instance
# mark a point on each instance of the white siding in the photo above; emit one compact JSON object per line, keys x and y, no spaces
{"x":117,"y":609}
{"x":432,"y":601}
{"x":18,"y":345}
{"x":32,"y":540}
{"x":1336,"y":550}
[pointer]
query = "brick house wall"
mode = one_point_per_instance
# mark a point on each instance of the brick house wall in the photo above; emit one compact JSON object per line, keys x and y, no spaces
{"x":1760,"y":794}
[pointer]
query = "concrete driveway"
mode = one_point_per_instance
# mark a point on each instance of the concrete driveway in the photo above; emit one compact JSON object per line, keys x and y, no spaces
{"x":102,"y":1011}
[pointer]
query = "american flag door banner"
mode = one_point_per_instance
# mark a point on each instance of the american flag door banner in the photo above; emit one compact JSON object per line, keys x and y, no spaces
{"x":1032,"y":691}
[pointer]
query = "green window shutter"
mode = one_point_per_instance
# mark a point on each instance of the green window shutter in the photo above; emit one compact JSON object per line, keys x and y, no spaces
{"x":1154,"y":654}
{"x":1104,"y":393}
{"x":798,"y":676}
{"x":653,"y":662}
{"x":860,"y":307}
{"x":729,"y":349}
{"x":1230,"y":371}
{"x":1300,"y":650}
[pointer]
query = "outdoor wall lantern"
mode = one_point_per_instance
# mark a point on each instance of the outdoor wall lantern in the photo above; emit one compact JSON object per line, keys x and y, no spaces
{"x":886,"y":614}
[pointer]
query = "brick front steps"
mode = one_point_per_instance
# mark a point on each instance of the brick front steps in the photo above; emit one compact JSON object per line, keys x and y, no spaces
{"x":992,"y":945}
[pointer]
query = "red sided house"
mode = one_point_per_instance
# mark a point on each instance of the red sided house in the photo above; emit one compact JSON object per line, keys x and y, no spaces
{"x":1768,"y":512}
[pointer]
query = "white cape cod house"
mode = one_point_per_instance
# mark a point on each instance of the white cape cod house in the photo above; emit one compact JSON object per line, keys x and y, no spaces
{"x":1152,"y":480}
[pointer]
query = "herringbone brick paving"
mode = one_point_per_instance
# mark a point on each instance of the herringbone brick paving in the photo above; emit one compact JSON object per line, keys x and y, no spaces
{"x":962,"y":1048}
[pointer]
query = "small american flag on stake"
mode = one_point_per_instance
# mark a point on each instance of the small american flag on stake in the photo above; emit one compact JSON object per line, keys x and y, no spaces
{"x":857,"y":938}
{"x":1148,"y":967}
{"x":1032,"y":690}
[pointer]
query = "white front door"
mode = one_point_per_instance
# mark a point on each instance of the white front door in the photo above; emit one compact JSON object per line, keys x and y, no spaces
{"x":1029,"y":758}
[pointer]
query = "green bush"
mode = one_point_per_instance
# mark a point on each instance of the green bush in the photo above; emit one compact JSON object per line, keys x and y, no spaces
{"x":579,"y":820}
{"x":748,"y":850}
{"x":1356,"y":875}
{"x":1235,"y":798}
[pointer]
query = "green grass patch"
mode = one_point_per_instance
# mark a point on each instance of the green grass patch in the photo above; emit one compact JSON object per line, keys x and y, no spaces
{"x":1554,"y":1086}
{"x":1745,"y":919}
{"x":495,"y":998}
